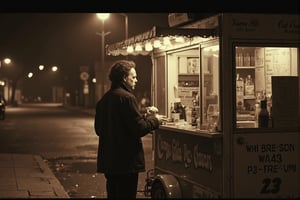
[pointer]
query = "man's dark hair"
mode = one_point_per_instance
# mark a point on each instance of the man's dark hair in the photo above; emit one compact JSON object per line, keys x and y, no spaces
{"x":119,"y":70}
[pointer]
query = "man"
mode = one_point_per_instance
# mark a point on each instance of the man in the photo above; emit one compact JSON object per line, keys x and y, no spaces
{"x":120,"y":126}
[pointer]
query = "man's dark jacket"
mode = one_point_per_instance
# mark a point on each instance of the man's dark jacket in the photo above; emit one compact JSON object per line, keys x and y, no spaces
{"x":120,"y":126}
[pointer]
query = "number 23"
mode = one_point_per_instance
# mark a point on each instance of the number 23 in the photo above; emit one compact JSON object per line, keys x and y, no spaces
{"x":271,"y":185}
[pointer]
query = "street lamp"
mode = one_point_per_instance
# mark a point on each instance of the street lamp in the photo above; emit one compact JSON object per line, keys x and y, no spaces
{"x":54,"y":68}
{"x":6,"y":61}
{"x":41,"y":67}
{"x":102,"y":17}
{"x":30,"y":75}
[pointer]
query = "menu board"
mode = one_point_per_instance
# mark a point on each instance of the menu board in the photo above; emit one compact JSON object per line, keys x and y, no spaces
{"x":277,"y":63}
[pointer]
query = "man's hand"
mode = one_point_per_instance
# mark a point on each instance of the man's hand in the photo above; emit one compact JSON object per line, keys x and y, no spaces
{"x":152,"y":110}
{"x":162,"y":118}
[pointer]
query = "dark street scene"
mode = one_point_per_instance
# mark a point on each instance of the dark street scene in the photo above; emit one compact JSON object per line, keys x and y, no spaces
{"x":65,"y":140}
{"x":150,"y":105}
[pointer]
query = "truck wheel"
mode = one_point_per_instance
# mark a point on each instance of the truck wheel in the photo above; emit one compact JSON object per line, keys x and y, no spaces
{"x":158,"y":191}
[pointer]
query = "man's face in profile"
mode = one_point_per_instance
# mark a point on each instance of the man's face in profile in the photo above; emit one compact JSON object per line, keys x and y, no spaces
{"x":131,"y":79}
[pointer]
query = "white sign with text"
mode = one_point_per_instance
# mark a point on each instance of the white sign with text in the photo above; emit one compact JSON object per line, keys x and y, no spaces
{"x":266,"y":165}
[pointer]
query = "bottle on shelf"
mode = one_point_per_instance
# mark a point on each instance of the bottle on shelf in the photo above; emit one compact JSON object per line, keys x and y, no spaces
{"x":248,"y":80}
{"x":198,"y":122}
{"x":174,"y":113}
{"x":249,"y":86}
{"x":241,"y":59}
{"x":269,"y":108}
{"x":237,"y":59}
{"x":252,"y":60}
{"x":246,"y":60}
{"x":194,"y":113}
{"x":257,"y":110}
{"x":181,"y":111}
{"x":188,"y":114}
{"x":239,"y":92}
{"x":263,"y":116}
{"x":194,"y":116}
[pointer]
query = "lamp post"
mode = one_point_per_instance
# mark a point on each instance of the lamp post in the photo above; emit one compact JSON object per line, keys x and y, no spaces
{"x":100,"y":77}
{"x":102,"y":17}
{"x":6,"y":61}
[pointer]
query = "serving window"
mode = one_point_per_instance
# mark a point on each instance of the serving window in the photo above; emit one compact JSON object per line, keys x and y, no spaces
{"x":266,"y":87}
{"x":193,"y":88}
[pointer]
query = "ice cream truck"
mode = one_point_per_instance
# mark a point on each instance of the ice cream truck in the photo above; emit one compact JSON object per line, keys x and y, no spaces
{"x":228,"y":86}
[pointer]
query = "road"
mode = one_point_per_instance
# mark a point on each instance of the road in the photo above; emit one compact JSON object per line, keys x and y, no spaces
{"x":66,"y":140}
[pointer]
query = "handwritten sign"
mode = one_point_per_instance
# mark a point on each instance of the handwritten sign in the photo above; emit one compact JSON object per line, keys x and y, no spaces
{"x":277,"y":63}
{"x":266,"y":165}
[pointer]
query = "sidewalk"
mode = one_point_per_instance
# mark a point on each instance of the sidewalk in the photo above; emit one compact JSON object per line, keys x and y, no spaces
{"x":28,"y":176}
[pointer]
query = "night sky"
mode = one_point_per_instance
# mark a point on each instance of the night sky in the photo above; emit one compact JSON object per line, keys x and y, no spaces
{"x":65,"y":39}
{"x":68,"y":39}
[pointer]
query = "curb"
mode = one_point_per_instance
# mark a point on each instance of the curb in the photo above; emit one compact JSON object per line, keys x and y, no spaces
{"x":57,"y":187}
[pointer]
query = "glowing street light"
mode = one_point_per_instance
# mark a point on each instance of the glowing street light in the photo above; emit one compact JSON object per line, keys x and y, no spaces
{"x":54,"y":68}
{"x":105,"y":16}
{"x":102,"y":17}
{"x":41,"y":67}
{"x":30,"y":75}
{"x":7,"y":61}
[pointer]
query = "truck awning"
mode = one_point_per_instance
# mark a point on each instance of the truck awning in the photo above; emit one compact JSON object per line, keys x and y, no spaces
{"x":158,"y":37}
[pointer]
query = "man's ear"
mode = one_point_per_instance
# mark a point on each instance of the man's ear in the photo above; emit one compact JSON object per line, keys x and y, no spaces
{"x":124,"y":78}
